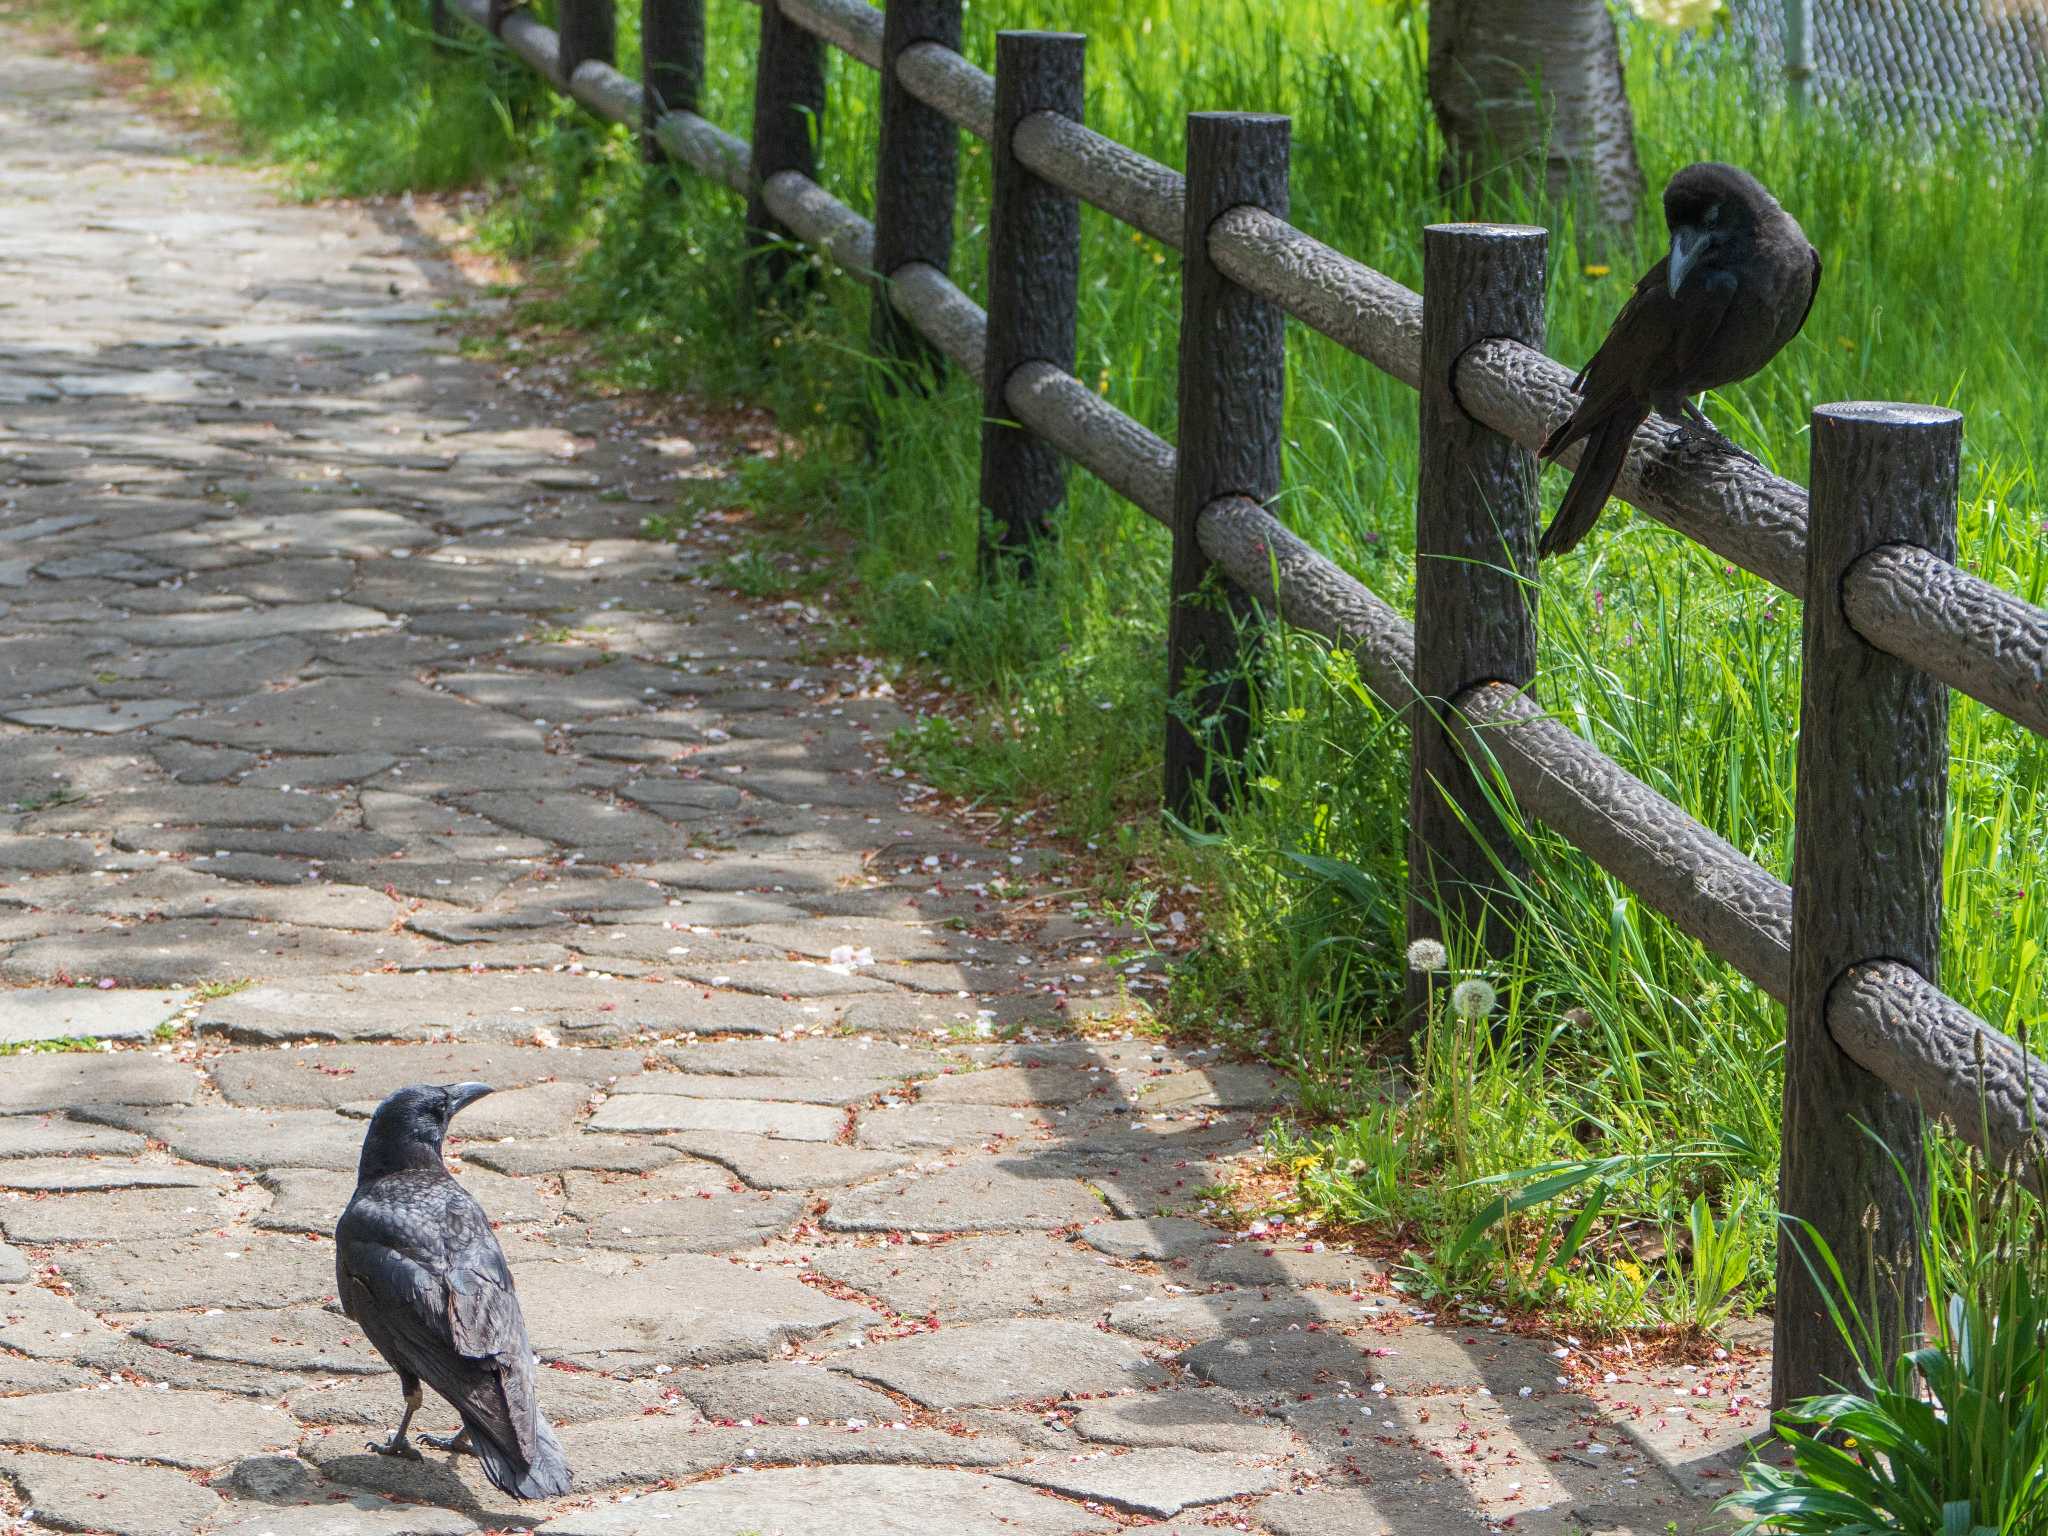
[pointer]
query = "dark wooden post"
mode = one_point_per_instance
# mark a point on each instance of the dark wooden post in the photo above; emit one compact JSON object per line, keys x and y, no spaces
{"x":1233,"y":379}
{"x":588,"y":30}
{"x":914,"y":173}
{"x":671,"y":64}
{"x":1034,"y":281}
{"x":1866,"y":885}
{"x":439,"y":21}
{"x":1475,"y":572}
{"x":789,"y":99}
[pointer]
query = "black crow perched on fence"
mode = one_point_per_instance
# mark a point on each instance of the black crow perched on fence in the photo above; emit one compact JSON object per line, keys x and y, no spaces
{"x":421,"y":1272}
{"x":1736,"y":286}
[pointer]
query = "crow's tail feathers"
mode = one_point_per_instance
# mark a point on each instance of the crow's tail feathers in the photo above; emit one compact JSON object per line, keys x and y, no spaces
{"x":545,"y":1477}
{"x":1607,"y":443}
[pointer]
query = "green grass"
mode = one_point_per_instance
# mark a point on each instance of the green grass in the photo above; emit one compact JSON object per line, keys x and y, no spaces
{"x":1621,"y":1052}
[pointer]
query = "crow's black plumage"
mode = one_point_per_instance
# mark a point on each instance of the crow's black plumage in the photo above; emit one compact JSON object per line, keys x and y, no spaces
{"x":421,"y":1272}
{"x":1736,"y":285}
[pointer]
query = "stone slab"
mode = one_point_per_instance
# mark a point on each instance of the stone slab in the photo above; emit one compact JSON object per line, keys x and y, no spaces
{"x":68,"y":1013}
{"x":976,"y":1197}
{"x":981,"y":1364}
{"x":76,"y":1493}
{"x":685,"y":1207}
{"x":328,"y":1077}
{"x":265,"y":1270}
{"x":624,"y":1312}
{"x":863,"y":1501}
{"x":1160,"y":1239}
{"x":1160,"y":1482}
{"x":1196,"y":1420}
{"x":767,"y":1162}
{"x":38,"y":1084}
{"x":279,"y":1338}
{"x":660,"y":1112}
{"x":345,"y":714}
{"x":781,"y":1393}
{"x":973,"y":1278}
{"x":195,"y":1430}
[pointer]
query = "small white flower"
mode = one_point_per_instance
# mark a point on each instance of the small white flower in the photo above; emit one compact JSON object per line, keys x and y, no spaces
{"x":1427,"y":955}
{"x":1355,"y":1166}
{"x":1473,"y":998}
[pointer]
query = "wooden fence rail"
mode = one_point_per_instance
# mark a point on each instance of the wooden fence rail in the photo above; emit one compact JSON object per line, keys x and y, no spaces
{"x":1851,"y":946}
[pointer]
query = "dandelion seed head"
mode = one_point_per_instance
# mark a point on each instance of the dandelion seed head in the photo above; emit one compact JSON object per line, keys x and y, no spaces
{"x":1473,"y":998}
{"x":1427,"y":955}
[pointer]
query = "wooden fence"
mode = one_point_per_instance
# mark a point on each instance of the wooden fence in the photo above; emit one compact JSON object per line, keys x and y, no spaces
{"x":1851,"y":947}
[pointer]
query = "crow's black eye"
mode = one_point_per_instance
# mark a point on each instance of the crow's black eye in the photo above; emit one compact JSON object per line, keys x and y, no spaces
{"x":1713,"y":216}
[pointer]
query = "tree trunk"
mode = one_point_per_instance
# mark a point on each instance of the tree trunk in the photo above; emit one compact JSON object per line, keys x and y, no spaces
{"x":1534,"y":88}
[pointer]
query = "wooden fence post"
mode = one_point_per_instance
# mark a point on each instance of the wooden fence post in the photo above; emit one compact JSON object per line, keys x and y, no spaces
{"x":789,"y":101}
{"x":1475,"y":573}
{"x":588,"y":30}
{"x":915,"y":172}
{"x":671,"y":64}
{"x":1866,"y":885}
{"x":1233,"y":379}
{"x":1034,"y":282}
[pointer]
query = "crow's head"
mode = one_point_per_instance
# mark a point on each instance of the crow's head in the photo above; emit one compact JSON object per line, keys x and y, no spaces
{"x":408,"y":1128}
{"x":1713,"y":211}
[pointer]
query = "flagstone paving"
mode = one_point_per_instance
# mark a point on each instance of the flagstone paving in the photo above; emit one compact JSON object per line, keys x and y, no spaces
{"x":348,"y":729}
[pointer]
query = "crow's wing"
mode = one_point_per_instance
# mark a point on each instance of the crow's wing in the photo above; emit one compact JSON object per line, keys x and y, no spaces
{"x":1811,"y":294}
{"x":486,"y":1324}
{"x":428,"y":1274}
{"x":1658,"y":343}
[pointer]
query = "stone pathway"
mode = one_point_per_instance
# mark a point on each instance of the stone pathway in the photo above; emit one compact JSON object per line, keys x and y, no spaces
{"x":330,"y":663}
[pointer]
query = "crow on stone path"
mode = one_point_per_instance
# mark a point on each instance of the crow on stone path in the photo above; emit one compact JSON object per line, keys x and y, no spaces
{"x":421,"y":1272}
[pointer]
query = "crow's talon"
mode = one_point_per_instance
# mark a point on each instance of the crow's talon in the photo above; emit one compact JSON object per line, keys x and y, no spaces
{"x":456,"y":1444}
{"x":399,"y":1447}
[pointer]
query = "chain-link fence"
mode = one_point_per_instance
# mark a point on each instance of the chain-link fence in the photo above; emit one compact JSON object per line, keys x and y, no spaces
{"x":1905,"y":62}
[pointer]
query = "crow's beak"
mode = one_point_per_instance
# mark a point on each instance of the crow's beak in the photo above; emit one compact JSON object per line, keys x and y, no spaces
{"x":462,"y":1095}
{"x":1686,"y":245}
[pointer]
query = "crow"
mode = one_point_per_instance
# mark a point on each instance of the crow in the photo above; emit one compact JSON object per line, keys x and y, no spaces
{"x":1735,"y":287}
{"x":421,"y":1272}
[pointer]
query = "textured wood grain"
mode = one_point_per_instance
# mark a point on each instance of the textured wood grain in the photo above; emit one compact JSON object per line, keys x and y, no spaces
{"x":610,"y":95}
{"x":789,"y":104}
{"x":671,"y":64}
{"x":707,"y":149}
{"x":1101,"y":172}
{"x":1977,"y":638}
{"x":1866,"y":881}
{"x":1034,"y":275}
{"x":951,"y":86}
{"x":1233,"y":380}
{"x":1475,"y":583}
{"x":815,"y":217}
{"x":1324,"y":289}
{"x":916,"y":166}
{"x":1135,"y":463}
{"x":852,"y":26}
{"x":943,"y":315}
{"x":1993,"y":1092}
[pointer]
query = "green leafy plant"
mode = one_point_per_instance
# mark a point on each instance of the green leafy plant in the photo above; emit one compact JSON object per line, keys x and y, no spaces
{"x":1951,"y":1438}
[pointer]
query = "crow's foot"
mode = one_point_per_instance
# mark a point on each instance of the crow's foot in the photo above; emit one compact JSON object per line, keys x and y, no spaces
{"x":456,"y":1444}
{"x":398,"y":1446}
